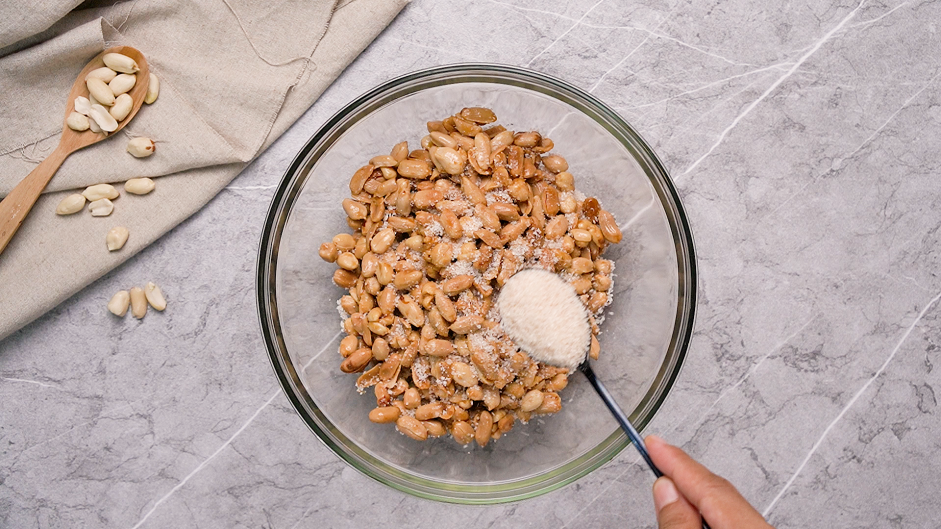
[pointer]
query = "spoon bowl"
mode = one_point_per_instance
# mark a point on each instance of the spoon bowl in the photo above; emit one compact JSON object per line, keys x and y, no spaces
{"x":16,"y":205}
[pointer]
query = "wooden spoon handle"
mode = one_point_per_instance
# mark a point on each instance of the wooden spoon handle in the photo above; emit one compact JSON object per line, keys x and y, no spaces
{"x":16,"y":205}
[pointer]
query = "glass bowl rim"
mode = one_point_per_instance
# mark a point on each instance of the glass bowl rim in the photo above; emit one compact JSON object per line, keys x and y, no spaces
{"x":290,"y":186}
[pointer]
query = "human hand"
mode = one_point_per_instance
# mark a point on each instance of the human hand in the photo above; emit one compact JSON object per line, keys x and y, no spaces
{"x":687,"y":489}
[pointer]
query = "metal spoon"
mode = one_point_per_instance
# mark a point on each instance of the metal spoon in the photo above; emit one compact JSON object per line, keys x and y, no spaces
{"x":17,"y":204}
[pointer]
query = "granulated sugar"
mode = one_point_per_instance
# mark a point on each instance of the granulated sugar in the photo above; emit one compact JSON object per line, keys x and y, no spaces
{"x":545,"y":318}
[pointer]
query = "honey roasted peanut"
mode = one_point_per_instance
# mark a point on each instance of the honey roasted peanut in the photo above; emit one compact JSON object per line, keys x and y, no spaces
{"x":436,"y":233}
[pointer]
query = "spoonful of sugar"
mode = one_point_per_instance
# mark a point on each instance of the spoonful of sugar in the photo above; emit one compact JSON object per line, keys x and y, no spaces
{"x":542,"y":314}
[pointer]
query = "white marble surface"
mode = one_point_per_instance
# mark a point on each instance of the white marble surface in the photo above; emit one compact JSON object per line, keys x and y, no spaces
{"x":804,"y":139}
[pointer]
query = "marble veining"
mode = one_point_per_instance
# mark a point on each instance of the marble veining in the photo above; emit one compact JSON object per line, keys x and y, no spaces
{"x":803,"y":140}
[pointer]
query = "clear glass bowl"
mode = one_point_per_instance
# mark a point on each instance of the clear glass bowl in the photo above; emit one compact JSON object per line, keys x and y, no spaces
{"x":644,"y":336}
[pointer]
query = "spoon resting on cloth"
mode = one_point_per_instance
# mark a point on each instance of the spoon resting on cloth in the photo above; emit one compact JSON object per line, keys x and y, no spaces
{"x":542,"y":314}
{"x":17,"y":204}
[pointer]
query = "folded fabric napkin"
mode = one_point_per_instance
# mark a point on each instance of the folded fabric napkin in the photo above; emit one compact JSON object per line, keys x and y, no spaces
{"x":234,"y":75}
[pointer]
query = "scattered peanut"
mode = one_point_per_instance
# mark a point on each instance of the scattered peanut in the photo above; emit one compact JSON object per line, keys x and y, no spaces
{"x":141,"y":147}
{"x":153,"y":90}
{"x":116,"y":238}
{"x":119,"y":303}
{"x":70,"y":204}
{"x":139,"y":186}
{"x":101,"y":207}
{"x":138,"y":302}
{"x":155,"y":296}
{"x":99,"y":191}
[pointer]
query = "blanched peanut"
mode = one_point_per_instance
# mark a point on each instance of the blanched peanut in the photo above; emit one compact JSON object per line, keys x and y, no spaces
{"x":77,"y":122}
{"x":116,"y":238}
{"x":139,"y":186}
{"x":119,"y":303}
{"x":99,"y":191}
{"x":70,"y":204}
{"x":153,"y":89}
{"x":138,"y":302}
{"x":140,"y":147}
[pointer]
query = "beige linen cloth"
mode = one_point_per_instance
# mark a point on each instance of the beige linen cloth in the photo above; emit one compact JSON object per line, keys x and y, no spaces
{"x":234,"y":75}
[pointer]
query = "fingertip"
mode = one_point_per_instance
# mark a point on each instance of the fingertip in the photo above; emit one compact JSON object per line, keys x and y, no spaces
{"x":653,"y":439}
{"x":664,"y":493}
{"x":673,"y":510}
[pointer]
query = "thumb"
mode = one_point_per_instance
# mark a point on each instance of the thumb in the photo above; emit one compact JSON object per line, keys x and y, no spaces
{"x":673,"y":510}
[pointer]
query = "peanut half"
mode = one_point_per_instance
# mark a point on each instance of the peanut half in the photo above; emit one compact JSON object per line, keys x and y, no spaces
{"x":103,"y":118}
{"x":119,"y":303}
{"x":101,"y":208}
{"x":116,"y":238}
{"x":155,"y":296}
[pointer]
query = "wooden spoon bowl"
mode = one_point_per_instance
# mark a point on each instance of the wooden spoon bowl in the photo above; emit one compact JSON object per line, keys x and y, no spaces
{"x":17,"y":204}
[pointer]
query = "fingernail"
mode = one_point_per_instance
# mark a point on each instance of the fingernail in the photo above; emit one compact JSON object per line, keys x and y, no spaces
{"x":653,"y":439}
{"x":664,"y":493}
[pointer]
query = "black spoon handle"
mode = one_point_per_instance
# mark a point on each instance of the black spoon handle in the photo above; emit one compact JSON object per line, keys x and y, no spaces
{"x":619,"y":414}
{"x":622,"y":419}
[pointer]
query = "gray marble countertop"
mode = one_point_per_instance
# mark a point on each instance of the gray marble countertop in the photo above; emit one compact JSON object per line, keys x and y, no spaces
{"x":804,"y":139}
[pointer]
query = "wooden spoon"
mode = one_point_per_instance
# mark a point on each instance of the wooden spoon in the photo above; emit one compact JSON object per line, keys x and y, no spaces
{"x":16,"y":205}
